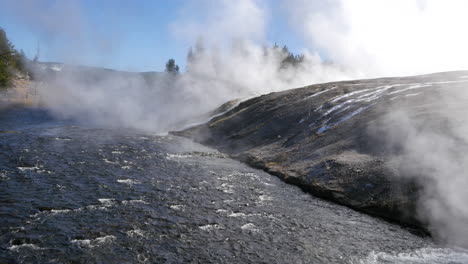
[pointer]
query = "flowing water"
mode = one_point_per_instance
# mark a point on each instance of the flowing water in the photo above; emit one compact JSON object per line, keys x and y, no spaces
{"x":71,"y":193}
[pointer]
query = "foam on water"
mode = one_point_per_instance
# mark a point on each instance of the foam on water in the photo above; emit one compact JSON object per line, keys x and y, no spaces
{"x":129,"y":181}
{"x":3,"y":176}
{"x":63,"y":139}
{"x":210,"y":227}
{"x":110,"y":162}
{"x":132,"y":202}
{"x":106,"y":201}
{"x":28,"y":168}
{"x":136,"y":233}
{"x":250,"y":227}
{"x":177,"y":156}
{"x":237,"y":215}
{"x":177,"y":207}
{"x":24,"y":246}
{"x":91,"y":243}
{"x":60,"y":211}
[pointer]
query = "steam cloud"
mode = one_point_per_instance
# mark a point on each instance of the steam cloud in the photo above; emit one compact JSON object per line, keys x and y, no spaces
{"x":230,"y":63}
{"x":388,"y":38}
{"x":363,"y":38}
{"x":432,"y":144}
{"x":400,"y":37}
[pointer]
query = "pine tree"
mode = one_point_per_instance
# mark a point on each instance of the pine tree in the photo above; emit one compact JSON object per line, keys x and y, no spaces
{"x":11,"y":61}
{"x":172,"y":67}
{"x":5,"y":59}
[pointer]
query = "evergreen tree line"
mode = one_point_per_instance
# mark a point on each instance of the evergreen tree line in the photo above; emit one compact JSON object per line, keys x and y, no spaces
{"x":289,"y":59}
{"x":12,"y":62}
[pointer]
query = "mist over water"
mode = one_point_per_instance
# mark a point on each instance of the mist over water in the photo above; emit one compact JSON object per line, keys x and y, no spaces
{"x":232,"y":60}
{"x":344,"y":40}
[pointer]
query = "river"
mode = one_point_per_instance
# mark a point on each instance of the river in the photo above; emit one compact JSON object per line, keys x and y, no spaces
{"x":75,"y":193}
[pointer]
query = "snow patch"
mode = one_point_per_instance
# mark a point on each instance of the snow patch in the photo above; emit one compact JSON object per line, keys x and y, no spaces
{"x":321,"y":92}
{"x":343,"y":119}
{"x":412,"y":87}
{"x":413,"y":94}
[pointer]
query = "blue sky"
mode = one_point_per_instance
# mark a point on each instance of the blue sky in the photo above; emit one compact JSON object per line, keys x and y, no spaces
{"x":126,"y":35}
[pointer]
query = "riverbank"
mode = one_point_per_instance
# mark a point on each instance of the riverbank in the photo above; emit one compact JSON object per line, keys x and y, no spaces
{"x":22,"y":92}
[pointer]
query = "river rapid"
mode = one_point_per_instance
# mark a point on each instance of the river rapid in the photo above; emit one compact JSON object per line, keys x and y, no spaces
{"x":75,"y":193}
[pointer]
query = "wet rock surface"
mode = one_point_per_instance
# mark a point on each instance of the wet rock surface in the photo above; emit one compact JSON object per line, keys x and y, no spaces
{"x":327,"y":139}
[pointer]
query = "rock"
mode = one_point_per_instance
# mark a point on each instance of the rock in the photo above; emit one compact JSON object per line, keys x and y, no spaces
{"x":323,"y":139}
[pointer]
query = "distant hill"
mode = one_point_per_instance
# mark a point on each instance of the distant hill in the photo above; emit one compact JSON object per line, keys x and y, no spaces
{"x":45,"y":70}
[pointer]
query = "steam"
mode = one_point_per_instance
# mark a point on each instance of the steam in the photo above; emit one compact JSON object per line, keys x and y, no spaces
{"x":407,"y":37}
{"x":401,"y":37}
{"x":162,"y":102}
{"x":431,"y":144}
{"x":230,"y":61}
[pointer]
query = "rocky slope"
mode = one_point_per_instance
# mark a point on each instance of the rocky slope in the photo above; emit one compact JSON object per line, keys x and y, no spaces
{"x":326,"y":138}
